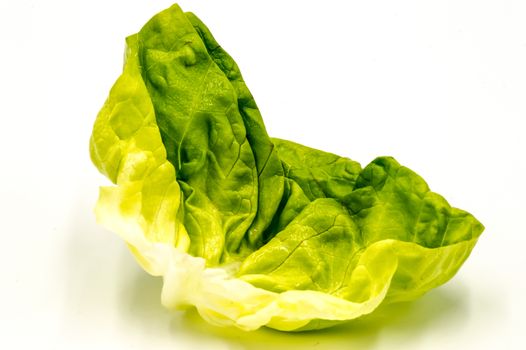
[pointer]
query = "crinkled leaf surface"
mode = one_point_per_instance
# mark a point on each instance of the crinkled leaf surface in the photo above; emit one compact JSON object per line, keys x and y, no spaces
{"x":250,"y":230}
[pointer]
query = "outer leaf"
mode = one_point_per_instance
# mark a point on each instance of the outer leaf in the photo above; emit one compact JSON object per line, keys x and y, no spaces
{"x":224,"y":300}
{"x":318,"y":250}
{"x":127,"y":147}
{"x":392,"y":202}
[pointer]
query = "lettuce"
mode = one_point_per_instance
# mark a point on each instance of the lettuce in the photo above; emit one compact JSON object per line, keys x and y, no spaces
{"x":250,"y":230}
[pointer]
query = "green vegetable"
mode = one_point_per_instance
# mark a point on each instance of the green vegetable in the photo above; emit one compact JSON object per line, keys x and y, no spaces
{"x":250,"y":230}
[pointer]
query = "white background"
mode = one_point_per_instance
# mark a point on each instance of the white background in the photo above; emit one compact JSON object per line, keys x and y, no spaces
{"x":440,"y":85}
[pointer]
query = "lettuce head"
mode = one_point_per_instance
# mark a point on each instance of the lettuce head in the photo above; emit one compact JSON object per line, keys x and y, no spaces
{"x":254,"y":231}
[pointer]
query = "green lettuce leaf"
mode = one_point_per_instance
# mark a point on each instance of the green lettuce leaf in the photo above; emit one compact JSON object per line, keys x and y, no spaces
{"x":254,"y":231}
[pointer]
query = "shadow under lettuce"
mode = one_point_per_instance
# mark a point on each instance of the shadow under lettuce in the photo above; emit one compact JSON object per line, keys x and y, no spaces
{"x":445,"y":308}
